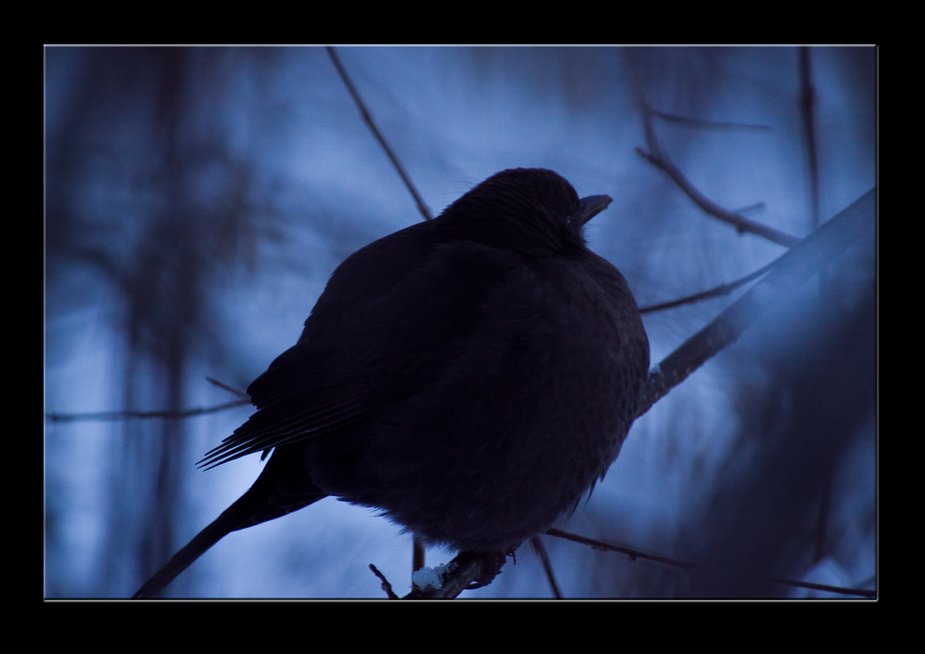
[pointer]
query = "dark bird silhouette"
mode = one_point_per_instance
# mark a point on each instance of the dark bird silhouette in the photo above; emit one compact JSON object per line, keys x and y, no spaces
{"x":470,"y":376}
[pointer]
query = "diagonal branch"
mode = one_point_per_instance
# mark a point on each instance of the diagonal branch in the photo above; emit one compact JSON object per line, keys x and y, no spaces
{"x":741,"y":223}
{"x":422,"y":207}
{"x":658,"y":157}
{"x":792,"y":269}
{"x":719,"y":291}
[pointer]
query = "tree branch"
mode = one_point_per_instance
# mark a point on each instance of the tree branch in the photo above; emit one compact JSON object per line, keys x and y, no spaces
{"x":637,"y":554}
{"x":368,"y":119}
{"x":741,"y":223}
{"x":719,"y":291}
{"x":792,"y":269}
{"x":656,"y":156}
{"x":126,"y":415}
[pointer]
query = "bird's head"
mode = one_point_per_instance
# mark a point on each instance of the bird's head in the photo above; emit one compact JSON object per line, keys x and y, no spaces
{"x":529,"y":210}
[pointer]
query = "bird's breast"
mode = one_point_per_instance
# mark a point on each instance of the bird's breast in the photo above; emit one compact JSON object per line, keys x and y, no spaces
{"x":528,"y":409}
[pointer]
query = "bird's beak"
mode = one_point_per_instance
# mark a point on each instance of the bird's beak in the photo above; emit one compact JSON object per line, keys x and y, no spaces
{"x":591,"y":206}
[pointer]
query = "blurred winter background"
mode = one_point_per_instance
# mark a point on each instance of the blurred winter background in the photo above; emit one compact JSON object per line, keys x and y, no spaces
{"x":197,"y":199}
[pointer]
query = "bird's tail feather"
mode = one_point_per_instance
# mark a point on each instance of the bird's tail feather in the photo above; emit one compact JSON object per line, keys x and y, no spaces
{"x":230,"y":520}
{"x":267,"y":499}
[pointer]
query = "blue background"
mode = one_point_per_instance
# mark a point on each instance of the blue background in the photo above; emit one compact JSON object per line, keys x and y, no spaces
{"x":197,"y":199}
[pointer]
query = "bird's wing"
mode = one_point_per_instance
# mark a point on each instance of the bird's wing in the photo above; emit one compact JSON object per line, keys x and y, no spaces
{"x":379,"y":350}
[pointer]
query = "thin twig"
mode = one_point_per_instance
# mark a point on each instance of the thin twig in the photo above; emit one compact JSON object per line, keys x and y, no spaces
{"x":741,"y":223}
{"x":686,"y":565}
{"x":127,"y":415}
{"x":540,"y":550}
{"x":226,"y":387}
{"x":708,"y":124}
{"x":183,"y":413}
{"x":657,"y":157}
{"x":608,"y":547}
{"x":422,"y":207}
{"x":386,"y":586}
{"x":719,"y":291}
{"x":644,"y":108}
{"x":808,"y":114}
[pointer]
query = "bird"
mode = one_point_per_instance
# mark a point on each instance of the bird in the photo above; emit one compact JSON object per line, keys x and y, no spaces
{"x":470,"y":377}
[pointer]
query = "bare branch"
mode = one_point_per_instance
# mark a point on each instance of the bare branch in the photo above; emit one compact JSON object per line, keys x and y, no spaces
{"x":657,"y":157}
{"x":638,"y":554}
{"x":386,"y":586}
{"x":741,"y":223}
{"x":226,"y":387}
{"x":708,"y":124}
{"x":791,"y":270}
{"x":540,"y":550}
{"x":808,"y":114}
{"x":126,"y":415}
{"x":422,"y":207}
{"x":184,"y":413}
{"x":719,"y":291}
